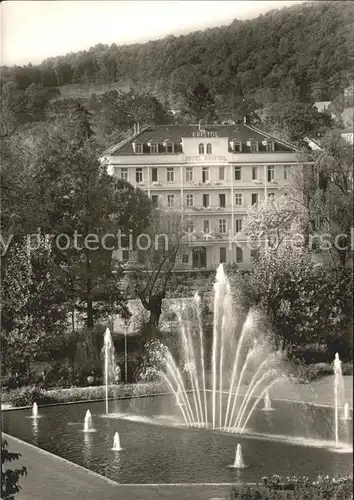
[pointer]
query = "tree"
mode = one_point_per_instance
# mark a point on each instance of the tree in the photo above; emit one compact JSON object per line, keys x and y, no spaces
{"x":273,"y":221}
{"x":200,"y":103}
{"x":10,"y":477}
{"x":153,"y":273}
{"x":305,"y":303}
{"x":326,"y":193}
{"x":83,"y":208}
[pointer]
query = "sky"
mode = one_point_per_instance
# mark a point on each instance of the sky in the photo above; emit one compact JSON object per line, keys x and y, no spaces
{"x":34,"y":30}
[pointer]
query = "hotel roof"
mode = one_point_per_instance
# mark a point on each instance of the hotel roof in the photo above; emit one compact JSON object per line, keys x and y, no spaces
{"x":174,"y":133}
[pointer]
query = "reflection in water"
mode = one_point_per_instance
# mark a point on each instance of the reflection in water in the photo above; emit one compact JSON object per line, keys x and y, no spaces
{"x":35,"y":431}
{"x":117,"y":462}
{"x":87,"y":448}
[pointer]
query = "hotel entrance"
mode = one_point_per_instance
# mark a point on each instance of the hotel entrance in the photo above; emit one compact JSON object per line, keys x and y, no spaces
{"x":199,"y":258}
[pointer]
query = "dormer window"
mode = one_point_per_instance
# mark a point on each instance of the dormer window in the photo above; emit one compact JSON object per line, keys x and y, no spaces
{"x":201,"y":148}
{"x":154,"y":147}
{"x":253,"y":145}
{"x":137,"y":148}
{"x":236,"y":146}
{"x":208,"y":149}
{"x":169,"y":146}
{"x":269,"y":145}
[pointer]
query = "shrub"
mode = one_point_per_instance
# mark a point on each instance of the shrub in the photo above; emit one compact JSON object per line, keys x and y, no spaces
{"x":302,"y":488}
{"x":347,"y":368}
{"x":10,"y":477}
{"x":28,"y":395}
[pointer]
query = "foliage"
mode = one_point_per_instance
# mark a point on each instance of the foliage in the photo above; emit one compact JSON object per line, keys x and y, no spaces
{"x":301,"y":488}
{"x":29,"y":288}
{"x":10,"y":477}
{"x":272,"y":220}
{"x":72,"y":394}
{"x":326,"y":193}
{"x":152,"y":275}
{"x":303,"y":302}
{"x":26,"y":396}
{"x":151,"y":363}
{"x":305,"y":48}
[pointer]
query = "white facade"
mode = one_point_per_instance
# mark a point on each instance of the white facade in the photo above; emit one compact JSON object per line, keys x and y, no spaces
{"x":214,"y":185}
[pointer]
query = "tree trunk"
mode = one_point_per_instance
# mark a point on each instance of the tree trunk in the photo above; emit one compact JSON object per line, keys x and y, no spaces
{"x":155,"y":308}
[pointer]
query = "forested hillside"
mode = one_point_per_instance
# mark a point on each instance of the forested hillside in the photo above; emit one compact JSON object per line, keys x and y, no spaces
{"x":272,"y":69}
{"x":312,"y":44}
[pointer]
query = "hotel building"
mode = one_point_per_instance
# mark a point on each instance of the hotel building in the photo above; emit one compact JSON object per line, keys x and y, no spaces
{"x":213,"y":174}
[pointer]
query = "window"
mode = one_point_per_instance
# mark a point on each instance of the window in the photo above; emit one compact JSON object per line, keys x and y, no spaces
{"x":189,"y":200}
{"x":222,"y":200}
{"x":209,"y":149}
{"x":286,"y":172}
{"x":254,"y":147}
{"x":222,"y":226}
{"x":270,"y":146}
{"x":185,"y":258}
{"x":205,"y":174}
{"x":254,"y":253}
{"x":138,"y":148}
{"x":222,"y":255}
{"x":154,"y":147}
{"x":238,"y":199}
{"x":254,"y":173}
{"x":189,"y":174}
{"x":125,"y":255}
{"x":170,"y":200}
{"x":205,"y":200}
{"x":170,"y":174}
{"x":124,"y":174}
{"x":155,"y":200}
{"x":270,"y":173}
{"x":154,"y":174}
{"x":169,"y":147}
{"x":236,"y":146}
{"x":139,"y":175}
{"x":201,"y":149}
{"x":238,"y":225}
{"x":190,"y":226}
{"x":239,"y":254}
{"x":237,"y":173}
{"x":254,"y":198}
{"x":206,"y":226}
{"x":221,"y":173}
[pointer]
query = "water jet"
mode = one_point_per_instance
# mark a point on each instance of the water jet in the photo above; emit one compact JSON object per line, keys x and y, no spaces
{"x":116,"y":443}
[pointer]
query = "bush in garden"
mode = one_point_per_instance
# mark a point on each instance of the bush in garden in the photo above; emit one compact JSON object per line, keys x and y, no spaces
{"x":296,"y":488}
{"x":28,"y":395}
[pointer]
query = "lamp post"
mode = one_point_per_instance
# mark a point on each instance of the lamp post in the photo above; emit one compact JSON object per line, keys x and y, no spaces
{"x":126,"y":324}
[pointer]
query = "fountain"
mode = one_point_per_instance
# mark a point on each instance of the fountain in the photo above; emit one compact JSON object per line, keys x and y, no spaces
{"x":88,"y":422}
{"x":35,"y":410}
{"x":247,"y":364}
{"x":346,"y":412}
{"x":267,"y":402}
{"x":239,"y":462}
{"x":109,"y":363}
{"x":116,"y":443}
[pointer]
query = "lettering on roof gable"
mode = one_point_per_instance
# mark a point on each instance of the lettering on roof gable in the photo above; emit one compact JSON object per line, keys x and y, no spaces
{"x":204,"y":134}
